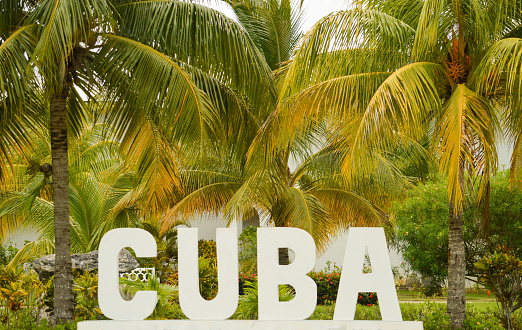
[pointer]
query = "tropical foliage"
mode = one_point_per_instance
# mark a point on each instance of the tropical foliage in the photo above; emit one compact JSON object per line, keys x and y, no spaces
{"x":54,"y":51}
{"x":94,"y":194}
{"x":386,"y":75}
{"x":501,"y":272}
{"x":147,"y":113}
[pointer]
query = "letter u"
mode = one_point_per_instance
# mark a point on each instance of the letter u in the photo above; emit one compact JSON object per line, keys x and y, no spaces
{"x":191,"y":302}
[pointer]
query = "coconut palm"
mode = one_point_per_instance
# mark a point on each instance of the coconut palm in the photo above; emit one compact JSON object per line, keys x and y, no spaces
{"x":314,"y":197}
{"x":27,"y":201}
{"x":140,"y":56}
{"x":390,"y":72}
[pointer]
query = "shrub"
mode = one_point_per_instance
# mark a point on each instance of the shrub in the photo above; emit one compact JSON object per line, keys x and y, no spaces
{"x":419,"y":231}
{"x":208,"y":282}
{"x":248,"y":250}
{"x":207,"y":250}
{"x":327,"y":285}
{"x":168,"y":298}
{"x":244,"y":279}
{"x":433,"y":315}
{"x":20,"y":293}
{"x":486,"y":319}
{"x":86,"y":290}
{"x":501,"y":272}
{"x":248,"y":303}
{"x":327,"y":281}
{"x":7,"y":253}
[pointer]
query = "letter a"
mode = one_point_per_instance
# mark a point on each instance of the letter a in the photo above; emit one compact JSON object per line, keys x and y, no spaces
{"x":380,"y":280}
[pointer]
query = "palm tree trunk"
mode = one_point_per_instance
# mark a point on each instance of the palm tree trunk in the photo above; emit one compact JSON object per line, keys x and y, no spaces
{"x":456,"y":307}
{"x":63,"y":281}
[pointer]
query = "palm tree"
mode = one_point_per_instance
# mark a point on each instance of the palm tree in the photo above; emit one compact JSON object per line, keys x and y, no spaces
{"x":140,"y":56}
{"x":237,"y":182}
{"x":27,"y":201}
{"x":390,"y":72}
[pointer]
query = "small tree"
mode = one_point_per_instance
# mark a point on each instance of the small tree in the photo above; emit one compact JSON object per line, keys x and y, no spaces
{"x":501,"y":272}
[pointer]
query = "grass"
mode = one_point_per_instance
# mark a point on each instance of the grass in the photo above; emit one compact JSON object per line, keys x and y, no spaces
{"x":475,"y":300}
{"x":479,"y":297}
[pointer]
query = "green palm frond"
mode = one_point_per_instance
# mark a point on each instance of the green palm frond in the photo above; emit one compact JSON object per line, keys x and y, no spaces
{"x":239,"y":120}
{"x":274,"y":25}
{"x":296,"y":208}
{"x":153,"y":84}
{"x":245,"y":198}
{"x":466,"y":136}
{"x":433,"y":26}
{"x":337,"y":35}
{"x":182,"y":30}
{"x":63,"y":24}
{"x":206,"y":200}
{"x":408,"y":11}
{"x":32,"y":250}
{"x":156,"y":164}
{"x":13,"y":65}
{"x":399,"y":105}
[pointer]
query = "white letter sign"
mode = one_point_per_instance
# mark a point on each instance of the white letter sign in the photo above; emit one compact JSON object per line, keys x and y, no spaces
{"x":273,"y":314}
{"x":190,"y":300}
{"x":380,"y":280}
{"x":111,"y":302}
{"x":271,"y":274}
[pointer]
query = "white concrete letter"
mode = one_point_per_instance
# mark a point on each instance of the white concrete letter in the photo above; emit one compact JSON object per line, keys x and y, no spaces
{"x":190,"y":300}
{"x":380,"y":280}
{"x":111,"y":302}
{"x":271,"y":274}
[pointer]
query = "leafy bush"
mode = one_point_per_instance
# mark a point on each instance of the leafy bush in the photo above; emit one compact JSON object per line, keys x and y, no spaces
{"x":31,"y":323}
{"x":505,"y":209}
{"x":243,"y":281}
{"x":420,"y":230}
{"x":501,"y":272}
{"x":168,"y":299}
{"x":20,"y":293}
{"x":420,"y":233}
{"x":248,"y":302}
{"x":208,"y":282}
{"x":248,"y":250}
{"x":327,"y":281}
{"x":486,"y":319}
{"x":433,"y":315}
{"x":327,"y":285}
{"x":7,"y":253}
{"x":86,"y":290}
{"x":207,"y":250}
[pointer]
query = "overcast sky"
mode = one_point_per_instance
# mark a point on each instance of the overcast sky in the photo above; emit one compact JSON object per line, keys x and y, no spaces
{"x":314,"y":9}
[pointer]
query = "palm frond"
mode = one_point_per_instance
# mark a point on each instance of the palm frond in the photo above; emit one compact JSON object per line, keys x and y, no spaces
{"x":338,"y":35}
{"x":63,"y":24}
{"x":153,"y":85}
{"x":403,"y":103}
{"x":203,"y":38}
{"x":465,"y":136}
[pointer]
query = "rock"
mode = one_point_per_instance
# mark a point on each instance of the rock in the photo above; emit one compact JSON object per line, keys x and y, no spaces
{"x":44,"y":265}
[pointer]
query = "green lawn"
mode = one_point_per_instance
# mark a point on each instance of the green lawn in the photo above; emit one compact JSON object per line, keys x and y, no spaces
{"x":475,"y":301}
{"x":481,"y":297}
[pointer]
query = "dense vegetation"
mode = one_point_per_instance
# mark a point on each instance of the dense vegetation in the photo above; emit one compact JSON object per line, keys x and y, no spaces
{"x":147,"y":114}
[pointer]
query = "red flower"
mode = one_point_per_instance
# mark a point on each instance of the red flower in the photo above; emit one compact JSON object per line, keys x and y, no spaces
{"x":371,"y":296}
{"x":369,"y":305}
{"x":360,"y":297}
{"x":331,"y":282}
